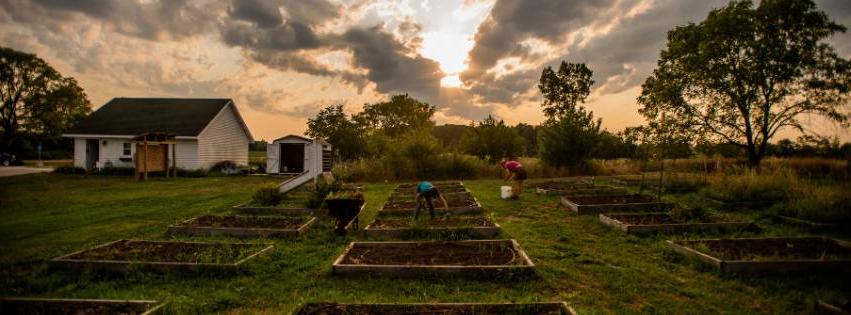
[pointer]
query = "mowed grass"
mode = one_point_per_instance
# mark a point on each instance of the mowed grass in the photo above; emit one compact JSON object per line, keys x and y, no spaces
{"x":579,"y":260}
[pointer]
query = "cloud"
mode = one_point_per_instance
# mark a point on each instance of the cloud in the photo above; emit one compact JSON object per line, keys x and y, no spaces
{"x":150,"y":20}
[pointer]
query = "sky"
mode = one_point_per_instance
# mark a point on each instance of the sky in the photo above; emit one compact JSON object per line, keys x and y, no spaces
{"x":281,"y":61}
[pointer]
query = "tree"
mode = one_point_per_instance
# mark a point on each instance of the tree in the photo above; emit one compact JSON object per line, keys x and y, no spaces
{"x":745,"y":73}
{"x":36,"y":99}
{"x":570,"y":133}
{"x":333,"y":125}
{"x":397,"y":116}
{"x":565,"y":89}
{"x":492,"y":140}
{"x":529,"y":135}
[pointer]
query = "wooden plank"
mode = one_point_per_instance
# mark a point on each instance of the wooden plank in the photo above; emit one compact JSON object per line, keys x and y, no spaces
{"x":149,"y":306}
{"x":238,"y":231}
{"x":484,"y":308}
{"x":124,"y":266}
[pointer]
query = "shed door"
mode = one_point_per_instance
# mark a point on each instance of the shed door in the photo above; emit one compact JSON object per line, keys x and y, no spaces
{"x":292,"y":158}
{"x":92,"y":153}
{"x":273,"y":155}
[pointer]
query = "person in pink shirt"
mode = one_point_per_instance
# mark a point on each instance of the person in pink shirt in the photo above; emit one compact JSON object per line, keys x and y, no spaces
{"x":514,"y":171}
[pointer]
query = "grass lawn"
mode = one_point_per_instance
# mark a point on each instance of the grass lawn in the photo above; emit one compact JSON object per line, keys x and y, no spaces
{"x":594,"y":268}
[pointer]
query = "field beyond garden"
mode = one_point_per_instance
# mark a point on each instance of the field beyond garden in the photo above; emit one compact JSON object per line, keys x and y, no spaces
{"x":594,"y":268}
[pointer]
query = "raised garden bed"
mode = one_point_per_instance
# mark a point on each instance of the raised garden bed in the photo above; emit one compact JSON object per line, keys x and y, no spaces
{"x":453,"y":195}
{"x":262,"y":210}
{"x":761,"y":255}
{"x":645,"y":223}
{"x":243,"y":226}
{"x":834,"y":307}
{"x":456,"y":206}
{"x":77,"y":306}
{"x":436,"y":184}
{"x":562,"y":185}
{"x":807,"y":224}
{"x":162,"y":256}
{"x":606,"y":204}
{"x":551,"y":308}
{"x":484,"y":258}
{"x":577,"y":192}
{"x":478,"y":226}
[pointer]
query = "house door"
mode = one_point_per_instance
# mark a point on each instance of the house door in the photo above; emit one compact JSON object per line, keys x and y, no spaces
{"x":292,"y":158}
{"x":92,"y":153}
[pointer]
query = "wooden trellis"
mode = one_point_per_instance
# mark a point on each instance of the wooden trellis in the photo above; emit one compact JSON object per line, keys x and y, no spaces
{"x":152,"y":154}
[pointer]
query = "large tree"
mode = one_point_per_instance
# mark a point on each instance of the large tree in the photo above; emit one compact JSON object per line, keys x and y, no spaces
{"x":333,"y":125}
{"x":569,"y":134}
{"x":491,"y":139}
{"x":36,"y":99}
{"x":747,"y":72}
{"x":400,"y":115}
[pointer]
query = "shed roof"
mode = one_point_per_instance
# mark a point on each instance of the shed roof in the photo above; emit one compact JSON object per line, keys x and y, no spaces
{"x":132,"y":116}
{"x":297,"y":137}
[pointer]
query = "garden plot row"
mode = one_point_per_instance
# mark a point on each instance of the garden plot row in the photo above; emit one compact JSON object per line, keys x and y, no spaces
{"x":464,"y":217}
{"x":639,"y":214}
{"x":474,"y":258}
{"x":551,"y":308}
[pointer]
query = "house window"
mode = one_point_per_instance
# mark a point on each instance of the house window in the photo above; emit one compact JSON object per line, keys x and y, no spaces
{"x":126,"y":149}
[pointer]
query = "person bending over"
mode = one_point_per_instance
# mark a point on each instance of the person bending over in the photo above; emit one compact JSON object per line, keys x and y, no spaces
{"x":515,"y":172}
{"x":426,"y":192}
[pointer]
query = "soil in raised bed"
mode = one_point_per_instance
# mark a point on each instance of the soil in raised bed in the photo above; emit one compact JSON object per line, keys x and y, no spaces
{"x":69,"y":307}
{"x":284,"y":223}
{"x":656,"y":219}
{"x":434,"y":253}
{"x":148,"y":251}
{"x":562,"y":185}
{"x":444,"y":309}
{"x":604,"y":200}
{"x":772,"y":249}
{"x":451,"y":203}
{"x":454,"y":221}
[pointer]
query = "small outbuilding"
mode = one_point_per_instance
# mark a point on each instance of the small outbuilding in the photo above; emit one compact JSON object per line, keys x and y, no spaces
{"x":202,"y":132}
{"x":294,"y":154}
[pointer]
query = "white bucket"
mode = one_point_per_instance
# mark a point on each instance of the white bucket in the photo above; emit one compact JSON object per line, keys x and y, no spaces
{"x":505,"y":192}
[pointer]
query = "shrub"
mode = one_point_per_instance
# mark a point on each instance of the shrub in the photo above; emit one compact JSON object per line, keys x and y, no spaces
{"x":116,"y":171}
{"x":683,"y":183}
{"x":191,"y":173}
{"x":69,"y":170}
{"x":225,"y":167}
{"x":267,"y":196}
{"x":320,"y":191}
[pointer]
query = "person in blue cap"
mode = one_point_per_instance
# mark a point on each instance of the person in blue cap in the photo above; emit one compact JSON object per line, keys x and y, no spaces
{"x":427,"y":191}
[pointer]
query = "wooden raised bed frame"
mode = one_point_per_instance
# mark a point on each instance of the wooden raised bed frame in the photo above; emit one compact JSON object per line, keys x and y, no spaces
{"x":474,"y":209}
{"x":485,"y":271}
{"x":260,"y":210}
{"x":592,"y":191}
{"x":653,"y":206}
{"x":147,"y":307}
{"x":186,"y":229}
{"x":475,"y":231}
{"x":123,"y":266}
{"x":547,"y":308}
{"x":613,"y":220}
{"x":764,"y":266}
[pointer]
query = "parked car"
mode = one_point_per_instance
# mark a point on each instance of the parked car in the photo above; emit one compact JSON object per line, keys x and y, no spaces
{"x":7,"y":159}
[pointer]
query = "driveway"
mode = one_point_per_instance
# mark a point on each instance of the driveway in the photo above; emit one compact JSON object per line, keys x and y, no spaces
{"x":22,"y":170}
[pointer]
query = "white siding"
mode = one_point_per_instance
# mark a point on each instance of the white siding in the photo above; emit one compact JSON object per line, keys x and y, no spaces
{"x":111,"y":152}
{"x":80,"y":152}
{"x":187,"y":154}
{"x":223,"y":139}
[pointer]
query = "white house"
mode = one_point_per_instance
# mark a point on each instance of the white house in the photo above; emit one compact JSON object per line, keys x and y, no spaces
{"x":207,"y":131}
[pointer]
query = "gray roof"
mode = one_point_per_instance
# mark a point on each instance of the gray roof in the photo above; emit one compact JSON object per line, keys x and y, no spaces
{"x":185,"y":117}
